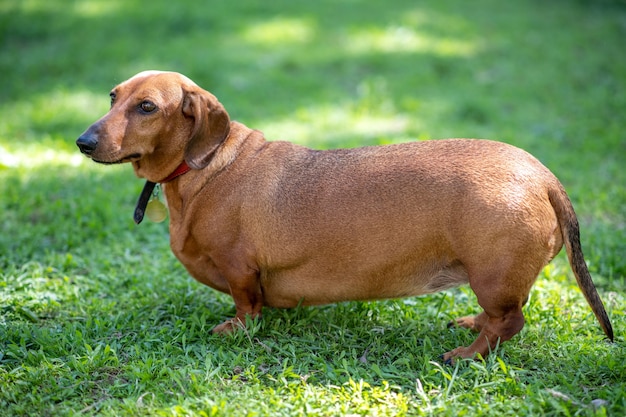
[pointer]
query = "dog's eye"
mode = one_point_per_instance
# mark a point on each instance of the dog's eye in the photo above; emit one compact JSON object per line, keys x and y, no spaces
{"x":112,"y":95}
{"x":147,"y":106}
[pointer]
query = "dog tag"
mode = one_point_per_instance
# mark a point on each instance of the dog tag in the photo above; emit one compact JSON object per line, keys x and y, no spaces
{"x":156,"y":211}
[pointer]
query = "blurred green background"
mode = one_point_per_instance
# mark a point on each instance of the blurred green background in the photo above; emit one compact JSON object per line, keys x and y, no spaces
{"x":549,"y":77}
{"x":75,"y":272}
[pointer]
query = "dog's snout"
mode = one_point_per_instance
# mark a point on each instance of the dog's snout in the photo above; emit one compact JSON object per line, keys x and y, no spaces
{"x":87,"y":142}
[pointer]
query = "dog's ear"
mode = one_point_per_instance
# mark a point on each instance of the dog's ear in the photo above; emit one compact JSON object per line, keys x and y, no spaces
{"x":211,"y":127}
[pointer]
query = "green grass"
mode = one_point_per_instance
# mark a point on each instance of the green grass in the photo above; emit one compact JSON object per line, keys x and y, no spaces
{"x":98,"y":318}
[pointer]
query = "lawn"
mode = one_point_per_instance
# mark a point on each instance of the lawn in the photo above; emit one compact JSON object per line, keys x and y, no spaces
{"x":97,"y":316}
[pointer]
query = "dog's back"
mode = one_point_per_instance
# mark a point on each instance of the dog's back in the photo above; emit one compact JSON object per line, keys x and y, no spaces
{"x":391,"y":221}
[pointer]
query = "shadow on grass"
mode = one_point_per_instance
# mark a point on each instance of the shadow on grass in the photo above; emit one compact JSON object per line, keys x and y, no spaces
{"x":266,"y":61}
{"x":63,"y":209}
{"x":260,"y":50}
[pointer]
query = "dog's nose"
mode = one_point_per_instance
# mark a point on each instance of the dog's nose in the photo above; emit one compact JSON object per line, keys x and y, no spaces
{"x":87,"y":142}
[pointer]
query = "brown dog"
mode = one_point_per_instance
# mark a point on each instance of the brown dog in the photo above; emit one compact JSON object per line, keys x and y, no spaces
{"x":276,"y":224}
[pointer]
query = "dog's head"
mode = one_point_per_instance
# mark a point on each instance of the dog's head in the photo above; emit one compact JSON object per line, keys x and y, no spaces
{"x":157,"y":120}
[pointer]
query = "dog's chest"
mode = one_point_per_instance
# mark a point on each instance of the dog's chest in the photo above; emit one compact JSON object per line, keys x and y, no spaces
{"x":196,"y":260}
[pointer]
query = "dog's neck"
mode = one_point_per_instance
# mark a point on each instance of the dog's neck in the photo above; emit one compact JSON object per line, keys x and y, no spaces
{"x":183,"y":168}
{"x":144,"y":197}
{"x":225,"y":155}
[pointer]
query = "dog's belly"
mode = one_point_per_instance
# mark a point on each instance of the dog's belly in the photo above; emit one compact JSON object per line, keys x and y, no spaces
{"x":310,"y":285}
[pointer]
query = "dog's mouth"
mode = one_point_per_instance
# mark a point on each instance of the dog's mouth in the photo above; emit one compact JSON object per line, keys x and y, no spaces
{"x":130,"y":158}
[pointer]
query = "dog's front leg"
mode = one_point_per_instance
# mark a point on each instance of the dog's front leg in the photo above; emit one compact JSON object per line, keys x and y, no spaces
{"x":248,"y":298}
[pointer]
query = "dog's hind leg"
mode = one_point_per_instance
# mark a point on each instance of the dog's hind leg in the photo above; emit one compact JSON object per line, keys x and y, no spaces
{"x":501,"y":292}
{"x":494,"y":330}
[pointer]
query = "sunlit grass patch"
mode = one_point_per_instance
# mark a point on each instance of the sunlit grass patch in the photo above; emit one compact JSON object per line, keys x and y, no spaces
{"x":407,"y":39}
{"x":281,"y":31}
{"x":325,"y":127}
{"x":49,"y":120}
{"x":41,"y":154}
{"x":96,"y":8}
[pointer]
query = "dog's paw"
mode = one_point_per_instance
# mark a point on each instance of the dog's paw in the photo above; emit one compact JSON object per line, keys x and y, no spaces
{"x":446,"y":359}
{"x":449,"y":358}
{"x":467,"y":322}
{"x":228,"y":326}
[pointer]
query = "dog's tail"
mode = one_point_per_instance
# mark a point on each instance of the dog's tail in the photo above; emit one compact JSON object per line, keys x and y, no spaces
{"x":571,"y":236}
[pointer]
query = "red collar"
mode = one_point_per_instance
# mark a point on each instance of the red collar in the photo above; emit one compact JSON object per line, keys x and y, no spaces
{"x":183,"y":168}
